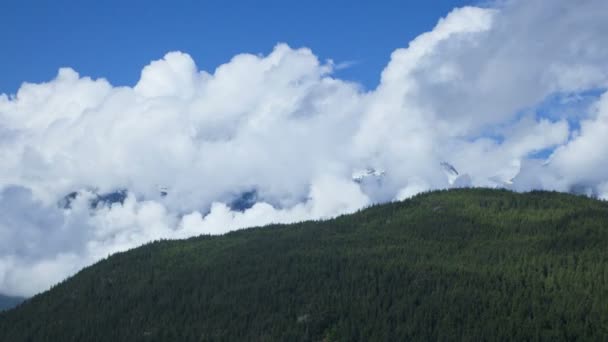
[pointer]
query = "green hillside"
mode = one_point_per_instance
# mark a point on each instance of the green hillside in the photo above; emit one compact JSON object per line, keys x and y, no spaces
{"x":453,"y":265}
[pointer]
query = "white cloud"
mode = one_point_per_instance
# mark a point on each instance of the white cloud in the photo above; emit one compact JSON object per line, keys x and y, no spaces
{"x":584,"y":160}
{"x":283,"y":128}
{"x":414,"y":187}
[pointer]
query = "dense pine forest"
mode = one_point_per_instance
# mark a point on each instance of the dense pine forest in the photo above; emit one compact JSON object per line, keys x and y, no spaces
{"x":472,"y":264}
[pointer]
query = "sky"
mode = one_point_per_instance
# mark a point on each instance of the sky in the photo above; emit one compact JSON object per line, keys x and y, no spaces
{"x":138,"y":124}
{"x":39,"y":37}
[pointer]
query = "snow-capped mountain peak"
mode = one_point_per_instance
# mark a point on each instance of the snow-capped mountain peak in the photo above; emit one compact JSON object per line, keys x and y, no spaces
{"x":359,"y":175}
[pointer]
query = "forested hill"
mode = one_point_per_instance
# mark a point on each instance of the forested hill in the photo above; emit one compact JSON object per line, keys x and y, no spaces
{"x":471,"y":264}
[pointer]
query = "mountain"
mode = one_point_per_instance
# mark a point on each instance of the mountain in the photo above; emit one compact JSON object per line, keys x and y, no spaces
{"x":104,"y":199}
{"x":7,"y":302}
{"x":244,"y":201}
{"x":361,"y":175}
{"x":463,"y":264}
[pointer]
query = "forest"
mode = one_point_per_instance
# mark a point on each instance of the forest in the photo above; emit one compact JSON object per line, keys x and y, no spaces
{"x":464,"y":264}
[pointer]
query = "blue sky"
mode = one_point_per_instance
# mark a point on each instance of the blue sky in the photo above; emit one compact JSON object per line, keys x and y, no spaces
{"x":115,"y":39}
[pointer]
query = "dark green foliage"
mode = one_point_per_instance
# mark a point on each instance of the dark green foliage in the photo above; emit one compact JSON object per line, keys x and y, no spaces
{"x":7,"y":302}
{"x":453,"y":265}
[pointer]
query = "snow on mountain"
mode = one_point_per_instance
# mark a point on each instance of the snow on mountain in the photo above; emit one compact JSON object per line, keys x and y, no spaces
{"x":450,"y":171}
{"x":369,"y":173}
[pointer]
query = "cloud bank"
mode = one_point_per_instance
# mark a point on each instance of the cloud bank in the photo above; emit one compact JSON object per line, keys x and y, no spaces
{"x":511,"y":95}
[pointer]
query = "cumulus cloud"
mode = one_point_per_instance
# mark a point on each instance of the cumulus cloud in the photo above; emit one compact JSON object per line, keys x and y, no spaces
{"x":476,"y":93}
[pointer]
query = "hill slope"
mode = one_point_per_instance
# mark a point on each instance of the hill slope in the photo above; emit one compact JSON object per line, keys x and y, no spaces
{"x":461,"y":264}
